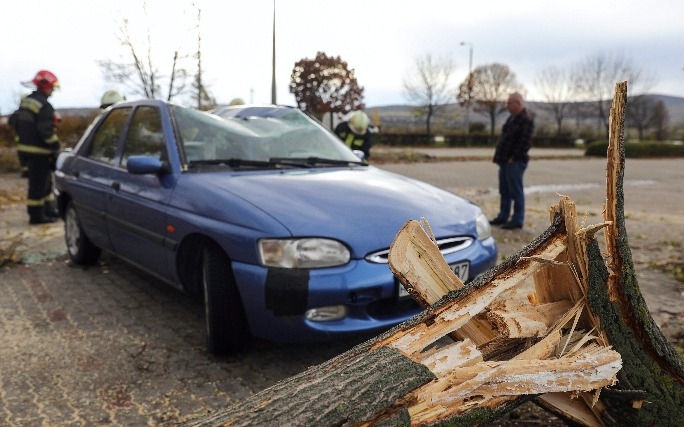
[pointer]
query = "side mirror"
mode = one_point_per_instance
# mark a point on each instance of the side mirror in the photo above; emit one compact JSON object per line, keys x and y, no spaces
{"x":360,"y":154}
{"x":143,"y":165}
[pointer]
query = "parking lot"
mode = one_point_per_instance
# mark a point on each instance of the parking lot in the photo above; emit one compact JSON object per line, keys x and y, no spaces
{"x":107,"y":345}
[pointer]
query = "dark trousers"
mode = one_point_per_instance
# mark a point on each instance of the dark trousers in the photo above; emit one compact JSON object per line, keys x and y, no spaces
{"x":511,"y":191}
{"x":39,"y":184}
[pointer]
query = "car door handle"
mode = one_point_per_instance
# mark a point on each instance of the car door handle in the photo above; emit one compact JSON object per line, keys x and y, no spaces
{"x":116,"y":185}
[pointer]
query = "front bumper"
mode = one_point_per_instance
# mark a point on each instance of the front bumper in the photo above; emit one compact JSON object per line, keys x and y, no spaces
{"x":276,"y":300}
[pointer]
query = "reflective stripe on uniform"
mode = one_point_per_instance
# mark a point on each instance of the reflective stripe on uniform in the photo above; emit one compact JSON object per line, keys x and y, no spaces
{"x":24,"y":148}
{"x":33,"y":105}
{"x":353,"y":141}
{"x":53,"y":139}
{"x":40,"y":202}
{"x":350,"y":139}
{"x":35,"y":202}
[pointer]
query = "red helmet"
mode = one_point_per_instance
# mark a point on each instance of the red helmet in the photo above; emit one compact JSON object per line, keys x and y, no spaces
{"x":45,"y":79}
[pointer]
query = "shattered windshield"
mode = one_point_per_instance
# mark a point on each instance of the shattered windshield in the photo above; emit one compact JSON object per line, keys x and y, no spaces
{"x":258,"y":137}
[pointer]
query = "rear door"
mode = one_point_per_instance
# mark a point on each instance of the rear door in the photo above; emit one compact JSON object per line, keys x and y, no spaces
{"x":138,"y":204}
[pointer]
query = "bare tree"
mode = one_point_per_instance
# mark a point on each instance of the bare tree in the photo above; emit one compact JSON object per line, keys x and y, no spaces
{"x":325,"y":84}
{"x":595,"y":75}
{"x":490,"y":86}
{"x":660,"y":120}
{"x":555,"y":86}
{"x":428,"y":89}
{"x":200,"y":93}
{"x":639,"y":112}
{"x":141,"y":75}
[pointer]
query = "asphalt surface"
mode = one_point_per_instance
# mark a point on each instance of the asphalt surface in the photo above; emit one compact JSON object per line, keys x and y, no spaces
{"x":109,"y":346}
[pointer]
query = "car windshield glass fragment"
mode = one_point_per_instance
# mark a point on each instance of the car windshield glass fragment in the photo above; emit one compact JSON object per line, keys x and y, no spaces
{"x":266,"y":137}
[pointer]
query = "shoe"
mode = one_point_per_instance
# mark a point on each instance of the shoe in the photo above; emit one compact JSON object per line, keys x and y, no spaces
{"x":511,"y":226}
{"x":497,"y":221}
{"x":42,"y":220}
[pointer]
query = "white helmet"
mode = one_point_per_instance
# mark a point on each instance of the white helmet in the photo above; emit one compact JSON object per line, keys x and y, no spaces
{"x":110,"y":97}
{"x":358,"y":122}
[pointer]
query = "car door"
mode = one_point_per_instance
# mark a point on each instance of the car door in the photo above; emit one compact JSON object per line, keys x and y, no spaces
{"x":92,"y":170}
{"x":138,"y":203}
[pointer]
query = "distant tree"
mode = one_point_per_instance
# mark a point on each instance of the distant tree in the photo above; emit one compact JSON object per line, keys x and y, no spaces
{"x":660,"y":121}
{"x":556,"y":88}
{"x":325,"y":84}
{"x":141,"y":75}
{"x":639,"y":113}
{"x":490,"y":85}
{"x":428,"y":88}
{"x":596,"y":75}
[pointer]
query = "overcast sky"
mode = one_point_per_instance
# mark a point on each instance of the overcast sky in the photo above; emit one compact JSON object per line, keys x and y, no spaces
{"x":379,"y":39}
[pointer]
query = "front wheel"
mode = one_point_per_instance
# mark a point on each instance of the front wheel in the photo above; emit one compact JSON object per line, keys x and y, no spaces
{"x":81,"y":250}
{"x":226,"y":324}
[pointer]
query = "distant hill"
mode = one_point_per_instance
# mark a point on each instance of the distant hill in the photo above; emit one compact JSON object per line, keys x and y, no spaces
{"x":453,"y":117}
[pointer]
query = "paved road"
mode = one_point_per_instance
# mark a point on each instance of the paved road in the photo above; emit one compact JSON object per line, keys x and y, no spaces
{"x":109,"y":346}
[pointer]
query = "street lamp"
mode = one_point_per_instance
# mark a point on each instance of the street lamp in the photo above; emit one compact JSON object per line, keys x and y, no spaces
{"x":470,"y":73}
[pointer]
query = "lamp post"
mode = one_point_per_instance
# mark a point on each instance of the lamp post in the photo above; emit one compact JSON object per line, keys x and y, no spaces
{"x":273,"y":63}
{"x":470,"y":73}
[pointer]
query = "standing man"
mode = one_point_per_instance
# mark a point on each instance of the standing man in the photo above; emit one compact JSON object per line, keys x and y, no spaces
{"x":511,"y":156}
{"x":355,"y":134}
{"x":34,"y":123}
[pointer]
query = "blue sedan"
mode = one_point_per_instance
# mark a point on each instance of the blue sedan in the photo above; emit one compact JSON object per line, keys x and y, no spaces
{"x":280,"y":227}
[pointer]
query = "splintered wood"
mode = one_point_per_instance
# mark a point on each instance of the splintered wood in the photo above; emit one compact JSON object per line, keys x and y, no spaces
{"x":502,"y":347}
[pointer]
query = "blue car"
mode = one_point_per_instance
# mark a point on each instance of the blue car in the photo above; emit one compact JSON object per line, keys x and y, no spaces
{"x":261,"y":210}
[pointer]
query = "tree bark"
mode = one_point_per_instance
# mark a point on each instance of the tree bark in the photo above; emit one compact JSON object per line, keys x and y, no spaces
{"x":556,"y":323}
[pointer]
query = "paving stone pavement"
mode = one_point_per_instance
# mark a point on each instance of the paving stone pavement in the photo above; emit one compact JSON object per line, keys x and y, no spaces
{"x":109,"y":346}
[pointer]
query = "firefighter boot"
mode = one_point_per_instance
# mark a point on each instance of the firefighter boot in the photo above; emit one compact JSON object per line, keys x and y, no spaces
{"x":37,"y":216}
{"x":51,"y":209}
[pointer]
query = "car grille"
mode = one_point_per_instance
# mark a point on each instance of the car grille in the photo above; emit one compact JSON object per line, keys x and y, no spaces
{"x":446,"y":246}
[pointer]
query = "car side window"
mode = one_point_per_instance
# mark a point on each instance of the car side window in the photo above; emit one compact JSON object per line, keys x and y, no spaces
{"x":145,"y":135}
{"x":106,"y":138}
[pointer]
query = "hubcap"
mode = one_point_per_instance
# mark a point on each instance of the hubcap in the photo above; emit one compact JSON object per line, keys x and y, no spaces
{"x":72,"y":231}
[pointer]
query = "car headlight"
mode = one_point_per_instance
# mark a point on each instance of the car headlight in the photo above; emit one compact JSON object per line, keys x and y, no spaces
{"x":484,"y":230}
{"x":302,"y":253}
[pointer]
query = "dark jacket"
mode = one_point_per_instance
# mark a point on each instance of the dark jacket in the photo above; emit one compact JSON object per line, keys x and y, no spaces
{"x":515,"y":140}
{"x":354,"y":141}
{"x":34,"y":123}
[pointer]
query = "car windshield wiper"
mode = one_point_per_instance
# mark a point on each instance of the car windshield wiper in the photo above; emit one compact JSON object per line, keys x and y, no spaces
{"x":235,"y":162}
{"x":312,"y":161}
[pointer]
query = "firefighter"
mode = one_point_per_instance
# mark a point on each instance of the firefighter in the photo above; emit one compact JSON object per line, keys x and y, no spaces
{"x":110,"y":98}
{"x":354,"y":132}
{"x":38,"y":145}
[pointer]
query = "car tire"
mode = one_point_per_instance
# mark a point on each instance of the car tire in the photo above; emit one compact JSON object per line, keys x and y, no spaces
{"x":226,"y":323}
{"x":81,"y":250}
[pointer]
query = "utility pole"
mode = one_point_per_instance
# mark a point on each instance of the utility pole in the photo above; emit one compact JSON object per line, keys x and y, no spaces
{"x":273,"y":70}
{"x":470,"y":76}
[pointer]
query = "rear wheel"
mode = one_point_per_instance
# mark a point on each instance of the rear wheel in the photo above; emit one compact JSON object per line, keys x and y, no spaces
{"x":226,"y":324}
{"x":81,"y":250}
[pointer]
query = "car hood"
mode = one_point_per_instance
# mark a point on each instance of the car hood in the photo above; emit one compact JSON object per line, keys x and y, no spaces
{"x":362,"y":206}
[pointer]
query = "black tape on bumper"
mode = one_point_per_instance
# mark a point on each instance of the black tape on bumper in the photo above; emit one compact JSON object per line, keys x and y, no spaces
{"x":287,"y":291}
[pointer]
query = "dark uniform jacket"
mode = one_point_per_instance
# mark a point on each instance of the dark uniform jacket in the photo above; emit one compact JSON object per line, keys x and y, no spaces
{"x":34,"y":123}
{"x":352,"y":140}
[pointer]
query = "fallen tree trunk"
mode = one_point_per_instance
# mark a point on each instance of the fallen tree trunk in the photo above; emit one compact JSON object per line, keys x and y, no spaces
{"x":553,"y":323}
